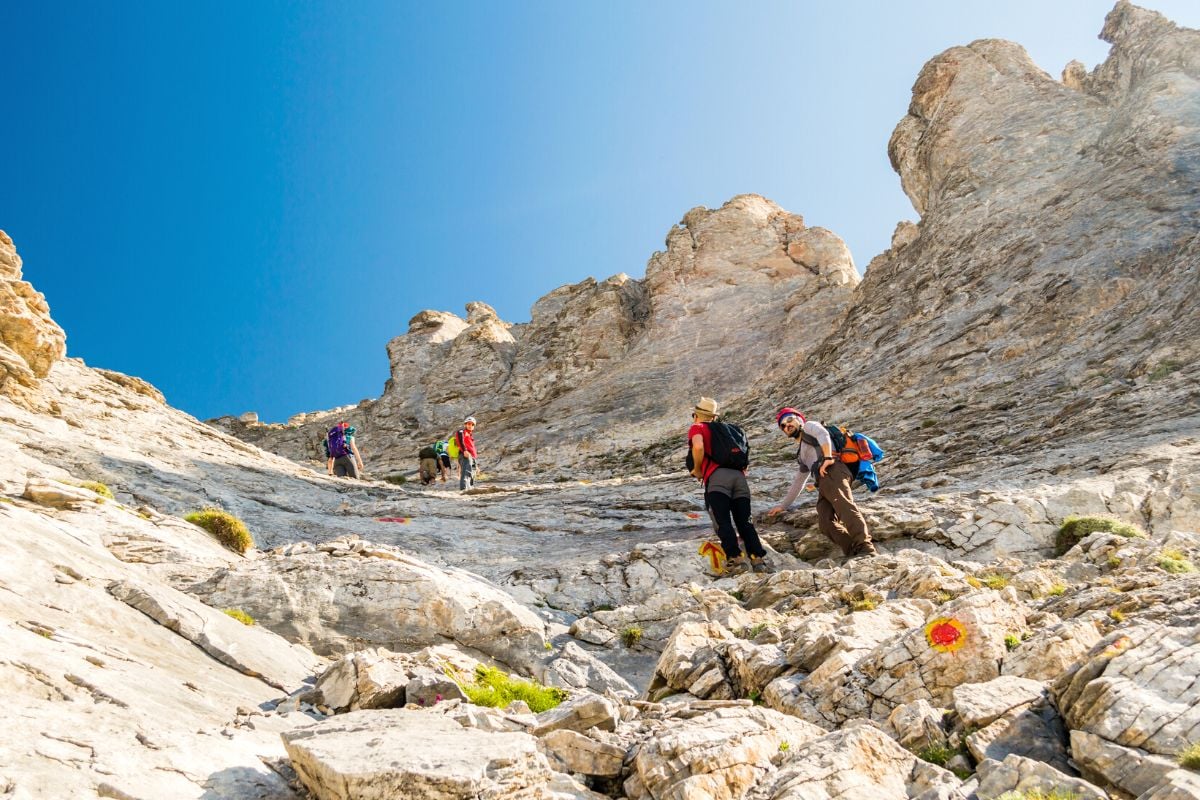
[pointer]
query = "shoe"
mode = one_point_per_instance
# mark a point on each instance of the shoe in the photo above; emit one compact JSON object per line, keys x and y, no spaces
{"x":759,"y":564}
{"x":735,"y":566}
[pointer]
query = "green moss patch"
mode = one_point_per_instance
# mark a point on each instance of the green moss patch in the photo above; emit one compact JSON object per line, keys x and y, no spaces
{"x":1075,"y":529}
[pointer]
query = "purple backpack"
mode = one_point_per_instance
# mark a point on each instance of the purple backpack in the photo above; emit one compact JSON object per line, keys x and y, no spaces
{"x":336,"y":442}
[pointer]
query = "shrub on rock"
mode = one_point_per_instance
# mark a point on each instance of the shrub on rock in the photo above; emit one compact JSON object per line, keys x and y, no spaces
{"x":240,"y":616}
{"x":99,"y":488}
{"x":1075,"y":529}
{"x":225,"y":527}
{"x":496,"y":689}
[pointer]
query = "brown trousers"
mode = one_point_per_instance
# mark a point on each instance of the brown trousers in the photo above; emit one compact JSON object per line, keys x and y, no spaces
{"x":837,"y":514}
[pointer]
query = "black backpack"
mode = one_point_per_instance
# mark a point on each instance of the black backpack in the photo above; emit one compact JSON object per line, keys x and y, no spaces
{"x":427,"y":452}
{"x":728,"y":446}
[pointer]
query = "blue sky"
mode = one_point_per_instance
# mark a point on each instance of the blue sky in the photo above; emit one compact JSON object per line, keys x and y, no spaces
{"x":242,"y":202}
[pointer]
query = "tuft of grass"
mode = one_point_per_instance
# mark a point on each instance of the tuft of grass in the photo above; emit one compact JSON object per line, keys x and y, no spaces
{"x":631,"y":635}
{"x":496,"y":689}
{"x":928,"y":423}
{"x":943,"y":597}
{"x":1114,"y":562}
{"x":1189,"y":757}
{"x":755,"y":696}
{"x":738,"y":595}
{"x":937,"y":754}
{"x":225,"y":527}
{"x":1075,"y":529}
{"x":240,"y":616}
{"x":1038,"y":794}
{"x":397,"y":479}
{"x":99,"y":488}
{"x":603,"y":607}
{"x":1057,"y":590}
{"x":994,"y":581}
{"x":1174,"y":562}
{"x":753,"y":631}
{"x":866,"y":604}
{"x":784,"y":747}
{"x":1011,"y":642}
{"x":974,"y":582}
{"x":1116,"y":615}
{"x":1164,"y":369}
{"x":7,"y":500}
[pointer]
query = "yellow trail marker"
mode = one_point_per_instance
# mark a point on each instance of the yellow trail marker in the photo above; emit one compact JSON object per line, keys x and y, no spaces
{"x":715,"y":554}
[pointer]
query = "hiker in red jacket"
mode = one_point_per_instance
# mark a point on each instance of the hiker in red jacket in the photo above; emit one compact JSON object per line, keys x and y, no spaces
{"x":466,"y":454}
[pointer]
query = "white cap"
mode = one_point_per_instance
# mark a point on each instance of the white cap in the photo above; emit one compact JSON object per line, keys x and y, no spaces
{"x":469,"y":419}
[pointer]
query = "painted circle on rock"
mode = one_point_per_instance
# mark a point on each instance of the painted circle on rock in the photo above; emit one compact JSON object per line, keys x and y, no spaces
{"x":945,"y":634}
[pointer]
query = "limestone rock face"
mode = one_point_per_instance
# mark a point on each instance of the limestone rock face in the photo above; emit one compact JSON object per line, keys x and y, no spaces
{"x":1050,"y":289}
{"x":400,"y":753}
{"x":30,"y":341}
{"x":351,"y":592}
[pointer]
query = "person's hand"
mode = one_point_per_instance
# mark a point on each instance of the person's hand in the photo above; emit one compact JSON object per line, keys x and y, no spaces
{"x":774,"y":511}
{"x":824,"y":468}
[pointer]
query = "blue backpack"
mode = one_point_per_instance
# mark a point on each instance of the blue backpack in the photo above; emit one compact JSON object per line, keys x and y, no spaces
{"x":336,"y":442}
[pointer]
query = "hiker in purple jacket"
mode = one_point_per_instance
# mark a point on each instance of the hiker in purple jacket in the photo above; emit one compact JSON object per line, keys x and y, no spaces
{"x":343,"y":452}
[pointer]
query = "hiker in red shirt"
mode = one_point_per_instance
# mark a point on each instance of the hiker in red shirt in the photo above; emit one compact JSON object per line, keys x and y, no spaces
{"x":466,"y":454}
{"x":726,"y":491}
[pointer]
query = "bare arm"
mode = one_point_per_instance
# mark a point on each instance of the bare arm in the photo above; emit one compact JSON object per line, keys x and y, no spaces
{"x":354,"y":449}
{"x":698,"y":456}
{"x":792,"y":493}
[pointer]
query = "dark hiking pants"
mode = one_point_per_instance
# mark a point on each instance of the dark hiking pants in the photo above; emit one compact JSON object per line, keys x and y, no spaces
{"x":838,"y":515}
{"x":728,"y":503}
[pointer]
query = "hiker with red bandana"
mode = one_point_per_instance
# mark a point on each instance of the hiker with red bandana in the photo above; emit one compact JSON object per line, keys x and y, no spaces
{"x":837,"y":513}
{"x":343,"y":452}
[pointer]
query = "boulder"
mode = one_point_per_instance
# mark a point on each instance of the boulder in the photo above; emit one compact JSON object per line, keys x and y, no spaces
{"x":1018,"y":774}
{"x":583,"y":754}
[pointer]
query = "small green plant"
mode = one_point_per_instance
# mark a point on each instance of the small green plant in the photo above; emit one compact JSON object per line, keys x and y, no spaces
{"x":937,"y":754}
{"x":994,"y":581}
{"x":496,"y":689}
{"x":397,"y":479}
{"x":1114,"y":562}
{"x":602,"y":607}
{"x":631,"y":635}
{"x":1174,"y":562}
{"x":1038,"y":794}
{"x":1075,"y":529}
{"x":98,"y":488}
{"x":943,"y":597}
{"x":1116,"y":615}
{"x":228,"y":529}
{"x":753,"y":631}
{"x":866,"y":604}
{"x":1189,"y":757}
{"x":755,"y":696}
{"x":738,"y":595}
{"x":1164,"y":369}
{"x":1057,"y":590}
{"x":784,"y":747}
{"x":549,"y":646}
{"x":1012,"y":642}
{"x":240,"y":616}
{"x":974,"y":582}
{"x":928,"y":423}
{"x":7,"y":500}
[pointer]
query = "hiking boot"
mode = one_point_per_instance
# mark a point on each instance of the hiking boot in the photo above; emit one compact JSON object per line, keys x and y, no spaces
{"x":759,"y":564}
{"x":735,"y":566}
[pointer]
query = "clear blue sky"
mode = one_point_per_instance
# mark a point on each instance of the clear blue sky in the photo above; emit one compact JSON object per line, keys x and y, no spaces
{"x":241,"y":202}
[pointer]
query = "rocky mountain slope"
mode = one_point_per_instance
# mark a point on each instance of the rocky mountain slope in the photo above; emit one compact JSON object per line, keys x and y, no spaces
{"x":978,"y":655}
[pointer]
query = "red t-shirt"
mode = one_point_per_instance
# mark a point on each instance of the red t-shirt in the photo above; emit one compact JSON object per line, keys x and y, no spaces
{"x":707,"y":467}
{"x":466,"y":443}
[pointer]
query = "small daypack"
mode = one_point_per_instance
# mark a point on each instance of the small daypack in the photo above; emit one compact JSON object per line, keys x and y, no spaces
{"x":727,"y":447}
{"x":452,"y":446}
{"x":335,"y":443}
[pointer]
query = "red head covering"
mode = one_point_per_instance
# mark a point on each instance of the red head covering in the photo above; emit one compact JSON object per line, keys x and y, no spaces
{"x":786,"y":411}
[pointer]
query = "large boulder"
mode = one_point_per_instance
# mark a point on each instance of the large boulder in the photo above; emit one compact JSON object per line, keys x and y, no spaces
{"x":30,"y":341}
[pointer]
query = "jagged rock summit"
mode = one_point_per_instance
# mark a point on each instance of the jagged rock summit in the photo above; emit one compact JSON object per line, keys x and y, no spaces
{"x":598,"y":363}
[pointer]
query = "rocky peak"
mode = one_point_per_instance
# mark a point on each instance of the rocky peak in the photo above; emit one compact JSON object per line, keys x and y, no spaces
{"x":30,"y":341}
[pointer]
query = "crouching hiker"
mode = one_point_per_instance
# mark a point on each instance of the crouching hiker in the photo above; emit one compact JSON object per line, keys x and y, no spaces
{"x":837,"y":514}
{"x":718,"y":457}
{"x":428,"y":464}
